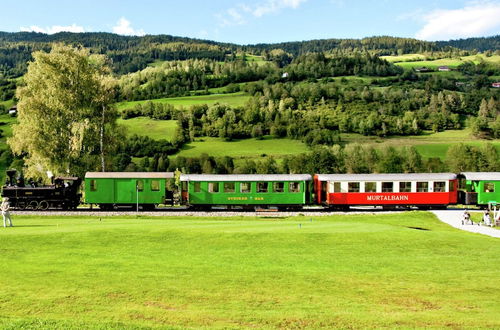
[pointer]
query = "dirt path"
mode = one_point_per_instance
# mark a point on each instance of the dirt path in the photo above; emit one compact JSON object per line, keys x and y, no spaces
{"x":454,"y":219}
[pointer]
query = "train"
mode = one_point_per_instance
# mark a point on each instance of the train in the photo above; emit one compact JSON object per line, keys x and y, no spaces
{"x":146,"y":190}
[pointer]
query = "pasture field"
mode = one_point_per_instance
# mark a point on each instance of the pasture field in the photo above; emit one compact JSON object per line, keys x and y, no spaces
{"x":145,"y":126}
{"x":429,"y":144}
{"x":345,"y":271}
{"x":247,"y":148}
{"x":232,"y":99}
{"x":418,"y":60}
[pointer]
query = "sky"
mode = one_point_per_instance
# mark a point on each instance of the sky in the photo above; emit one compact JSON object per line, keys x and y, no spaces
{"x":258,"y":21}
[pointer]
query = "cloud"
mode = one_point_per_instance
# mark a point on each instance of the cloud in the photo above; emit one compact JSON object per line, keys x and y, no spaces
{"x":238,"y":15}
{"x":123,"y":27}
{"x":474,"y":20}
{"x":53,"y":29}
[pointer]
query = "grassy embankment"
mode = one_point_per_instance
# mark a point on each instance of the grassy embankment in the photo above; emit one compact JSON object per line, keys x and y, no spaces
{"x":355,"y":271}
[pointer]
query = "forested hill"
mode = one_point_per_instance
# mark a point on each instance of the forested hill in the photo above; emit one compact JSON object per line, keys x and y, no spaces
{"x":481,"y":44}
{"x":132,"y":53}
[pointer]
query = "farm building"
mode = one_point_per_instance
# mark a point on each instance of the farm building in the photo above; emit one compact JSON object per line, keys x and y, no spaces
{"x":13,"y":110}
{"x":496,"y":85}
{"x":444,"y":68}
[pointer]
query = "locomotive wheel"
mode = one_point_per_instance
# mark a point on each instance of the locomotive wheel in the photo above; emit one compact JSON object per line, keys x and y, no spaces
{"x":33,"y":205}
{"x":43,"y":205}
{"x":21,"y":206}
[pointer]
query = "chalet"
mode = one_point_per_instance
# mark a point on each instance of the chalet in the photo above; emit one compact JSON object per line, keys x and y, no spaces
{"x":496,"y":85}
{"x":423,"y":69}
{"x":284,"y":75}
{"x":13,"y":110}
{"x":444,"y":68}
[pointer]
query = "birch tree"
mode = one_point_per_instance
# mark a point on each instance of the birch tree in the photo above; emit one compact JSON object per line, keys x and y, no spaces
{"x":65,"y":113}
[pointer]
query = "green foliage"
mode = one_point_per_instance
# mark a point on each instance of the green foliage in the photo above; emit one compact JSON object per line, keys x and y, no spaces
{"x":65,"y":113}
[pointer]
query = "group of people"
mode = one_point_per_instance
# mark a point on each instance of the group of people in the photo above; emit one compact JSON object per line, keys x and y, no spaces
{"x":5,"y":207}
{"x":487,"y":218}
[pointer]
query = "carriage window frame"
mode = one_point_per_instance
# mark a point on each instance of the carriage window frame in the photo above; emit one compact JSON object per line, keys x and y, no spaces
{"x":405,"y":186}
{"x":229,"y":187}
{"x":155,"y":185}
{"x":213,"y":187}
{"x":262,"y":187}
{"x":197,"y":187}
{"x":422,"y":186}
{"x":489,"y":187}
{"x":139,"y":185}
{"x":386,"y":188}
{"x":243,"y":185}
{"x":279,"y":187}
{"x":294,"y":187}
{"x":371,"y":186}
{"x":93,"y":185}
{"x":353,"y":187}
{"x":337,"y":187}
{"x":439,"y":186}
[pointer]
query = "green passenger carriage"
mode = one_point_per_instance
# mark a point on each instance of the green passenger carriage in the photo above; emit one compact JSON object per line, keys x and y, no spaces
{"x":112,"y":189}
{"x":482,"y":188}
{"x":262,"y":190}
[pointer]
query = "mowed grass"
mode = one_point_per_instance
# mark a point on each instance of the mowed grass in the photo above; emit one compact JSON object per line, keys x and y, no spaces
{"x":415,"y":60}
{"x":429,"y":144}
{"x":345,"y":271}
{"x":145,"y":126}
{"x":247,"y":148}
{"x":232,"y":99}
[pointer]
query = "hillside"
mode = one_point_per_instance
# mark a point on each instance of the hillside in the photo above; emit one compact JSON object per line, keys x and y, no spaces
{"x":271,"y":107}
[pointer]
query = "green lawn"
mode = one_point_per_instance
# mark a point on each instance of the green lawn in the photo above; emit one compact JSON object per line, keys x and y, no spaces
{"x":356,"y":271}
{"x":145,"y":126}
{"x":232,"y":99}
{"x":248,"y":148}
{"x":429,"y":144}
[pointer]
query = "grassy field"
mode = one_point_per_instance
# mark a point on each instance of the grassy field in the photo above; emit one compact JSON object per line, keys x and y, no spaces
{"x":356,"y":271}
{"x":418,"y":60}
{"x":232,"y":99}
{"x":429,"y":144}
{"x":145,"y":126}
{"x":248,"y":148}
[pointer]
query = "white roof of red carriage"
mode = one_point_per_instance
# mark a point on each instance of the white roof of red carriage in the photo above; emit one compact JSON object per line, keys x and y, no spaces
{"x":481,"y":176}
{"x":246,"y":177}
{"x":387,"y":177}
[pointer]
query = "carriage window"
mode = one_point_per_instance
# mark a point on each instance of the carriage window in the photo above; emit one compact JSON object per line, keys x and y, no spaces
{"x":155,"y":185}
{"x":261,"y":187}
{"x":139,"y":184}
{"x":336,"y":187}
{"x":439,"y":186}
{"x":197,"y":187}
{"x":213,"y":187}
{"x":422,"y":186}
{"x":93,"y":185}
{"x":353,"y":186}
{"x":387,"y":186}
{"x":370,"y":187}
{"x":279,"y":187}
{"x":489,"y":187}
{"x":405,"y":187}
{"x":294,"y":187}
{"x":229,"y":187}
{"x":245,"y":187}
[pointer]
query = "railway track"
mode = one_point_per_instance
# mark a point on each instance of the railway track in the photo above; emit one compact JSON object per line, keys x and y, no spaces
{"x":180,"y":211}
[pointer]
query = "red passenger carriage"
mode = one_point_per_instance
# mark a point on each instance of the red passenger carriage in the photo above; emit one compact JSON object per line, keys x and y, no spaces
{"x":389,"y":190}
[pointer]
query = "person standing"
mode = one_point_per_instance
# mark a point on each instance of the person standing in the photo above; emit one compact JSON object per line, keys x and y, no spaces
{"x":486,"y":218}
{"x":5,"y":212}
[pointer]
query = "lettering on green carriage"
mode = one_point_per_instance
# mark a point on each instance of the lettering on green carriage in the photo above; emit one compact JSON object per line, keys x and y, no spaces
{"x":237,"y":198}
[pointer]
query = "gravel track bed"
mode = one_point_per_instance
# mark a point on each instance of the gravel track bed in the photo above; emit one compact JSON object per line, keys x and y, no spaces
{"x":175,"y":213}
